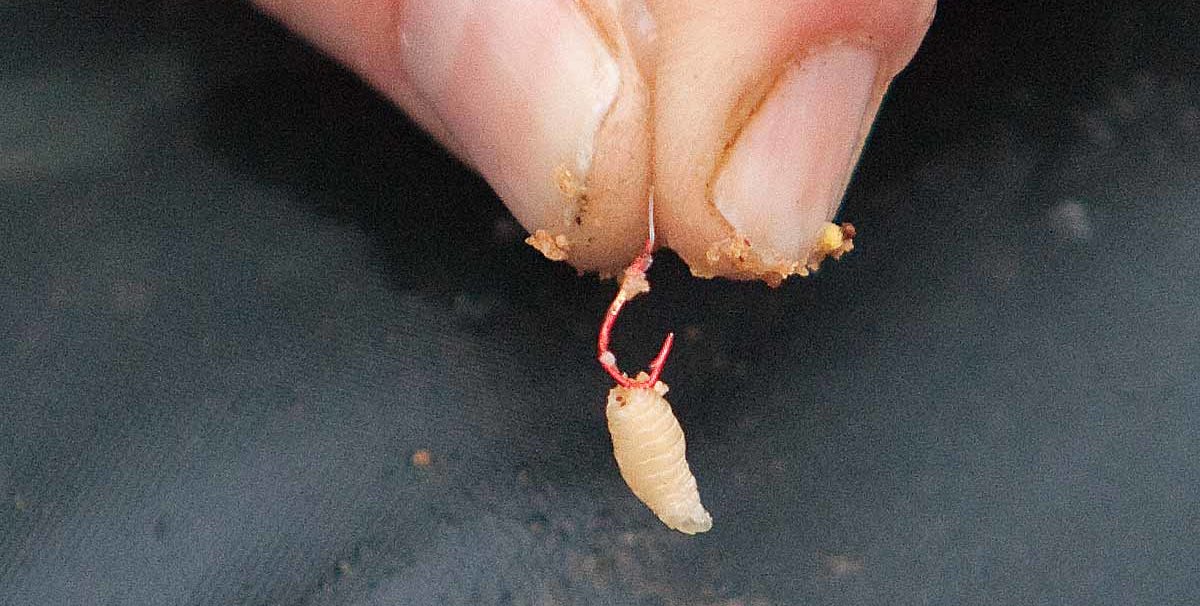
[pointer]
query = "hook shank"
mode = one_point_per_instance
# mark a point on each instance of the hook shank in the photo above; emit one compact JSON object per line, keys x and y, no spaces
{"x":633,"y":283}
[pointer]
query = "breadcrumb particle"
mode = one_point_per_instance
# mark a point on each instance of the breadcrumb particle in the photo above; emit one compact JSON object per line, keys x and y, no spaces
{"x":634,"y":284}
{"x":608,"y":358}
{"x":422,"y":458}
{"x":555,"y":248}
{"x":740,"y":256}
{"x":570,"y":185}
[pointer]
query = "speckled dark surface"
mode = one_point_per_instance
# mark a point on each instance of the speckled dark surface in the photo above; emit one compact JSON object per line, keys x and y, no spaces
{"x":238,"y":291}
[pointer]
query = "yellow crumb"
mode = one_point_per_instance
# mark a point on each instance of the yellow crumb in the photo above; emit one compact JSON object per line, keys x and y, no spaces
{"x":555,"y":248}
{"x":835,"y":241}
{"x":831,"y":237}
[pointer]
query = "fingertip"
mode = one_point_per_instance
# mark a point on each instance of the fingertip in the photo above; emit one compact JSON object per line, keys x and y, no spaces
{"x":757,"y":131}
{"x":544,"y":99}
{"x":546,"y":104}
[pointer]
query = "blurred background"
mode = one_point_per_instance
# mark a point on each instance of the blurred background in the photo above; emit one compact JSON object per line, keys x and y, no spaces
{"x":262,"y":342}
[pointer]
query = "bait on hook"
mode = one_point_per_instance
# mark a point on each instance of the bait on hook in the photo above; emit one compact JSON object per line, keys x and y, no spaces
{"x":648,"y":442}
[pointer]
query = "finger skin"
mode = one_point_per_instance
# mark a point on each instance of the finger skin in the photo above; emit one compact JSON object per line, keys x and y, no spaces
{"x":717,"y":60}
{"x":689,"y":84}
{"x":593,"y":214}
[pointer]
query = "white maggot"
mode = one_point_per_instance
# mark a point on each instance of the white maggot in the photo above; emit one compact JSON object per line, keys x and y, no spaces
{"x":647,"y":439}
{"x":648,"y":444}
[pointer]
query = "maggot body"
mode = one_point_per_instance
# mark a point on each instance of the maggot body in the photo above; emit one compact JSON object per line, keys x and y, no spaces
{"x":649,"y":447}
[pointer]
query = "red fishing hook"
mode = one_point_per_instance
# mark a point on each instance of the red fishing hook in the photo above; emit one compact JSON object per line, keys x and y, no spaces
{"x":633,"y":283}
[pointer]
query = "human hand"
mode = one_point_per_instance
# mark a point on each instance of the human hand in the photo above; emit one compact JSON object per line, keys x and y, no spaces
{"x":743,"y":119}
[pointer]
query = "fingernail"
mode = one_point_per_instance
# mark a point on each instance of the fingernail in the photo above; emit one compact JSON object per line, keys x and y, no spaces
{"x":785,"y":175}
{"x":523,"y":87}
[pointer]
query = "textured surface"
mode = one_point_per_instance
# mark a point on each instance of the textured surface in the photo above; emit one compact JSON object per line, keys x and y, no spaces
{"x":238,"y":293}
{"x":651,"y":452}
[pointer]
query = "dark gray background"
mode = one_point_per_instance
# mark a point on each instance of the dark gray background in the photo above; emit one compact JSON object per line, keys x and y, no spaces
{"x":239,"y":290}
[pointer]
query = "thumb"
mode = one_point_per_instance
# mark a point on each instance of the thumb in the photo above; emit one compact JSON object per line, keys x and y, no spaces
{"x":543,"y":98}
